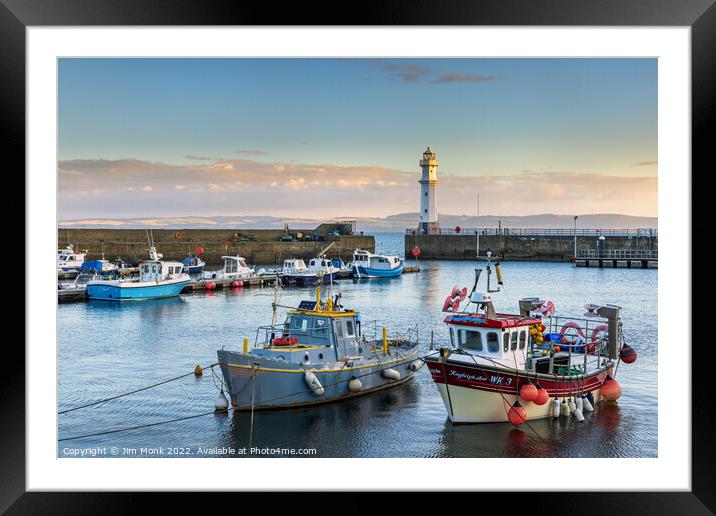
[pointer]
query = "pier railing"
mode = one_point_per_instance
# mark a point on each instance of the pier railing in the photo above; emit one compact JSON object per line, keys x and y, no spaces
{"x":618,"y":254}
{"x":527,"y":232}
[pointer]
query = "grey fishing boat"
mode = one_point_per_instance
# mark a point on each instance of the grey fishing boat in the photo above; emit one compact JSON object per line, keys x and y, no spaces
{"x":318,"y":355}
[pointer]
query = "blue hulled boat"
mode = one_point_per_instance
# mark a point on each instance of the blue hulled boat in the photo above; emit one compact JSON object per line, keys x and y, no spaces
{"x":370,"y":265}
{"x":157,"y":279}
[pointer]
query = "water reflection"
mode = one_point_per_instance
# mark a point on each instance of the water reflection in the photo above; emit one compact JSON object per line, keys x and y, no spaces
{"x":107,"y":348}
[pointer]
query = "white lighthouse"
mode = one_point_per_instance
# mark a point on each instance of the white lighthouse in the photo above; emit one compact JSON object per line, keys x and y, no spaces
{"x":428,"y":211}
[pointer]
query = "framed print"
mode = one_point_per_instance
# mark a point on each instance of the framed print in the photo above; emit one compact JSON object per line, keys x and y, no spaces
{"x":427,"y":250}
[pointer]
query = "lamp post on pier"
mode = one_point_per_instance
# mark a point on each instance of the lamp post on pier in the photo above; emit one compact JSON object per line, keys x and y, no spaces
{"x":574,"y":257}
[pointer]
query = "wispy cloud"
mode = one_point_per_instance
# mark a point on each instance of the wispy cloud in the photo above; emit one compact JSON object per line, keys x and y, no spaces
{"x":411,"y":72}
{"x":198,"y":158}
{"x":408,"y":72}
{"x":251,"y":152}
{"x":463,"y":77}
{"x":646,"y":163}
{"x":115,"y":188}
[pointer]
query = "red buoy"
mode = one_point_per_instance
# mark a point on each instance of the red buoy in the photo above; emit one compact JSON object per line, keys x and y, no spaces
{"x":458,"y":229}
{"x":542,"y":395}
{"x":416,"y":251}
{"x":627,"y":354}
{"x":234,"y":284}
{"x":209,"y":285}
{"x":199,"y":250}
{"x":528,"y":391}
{"x":610,"y":389}
{"x":517,"y":414}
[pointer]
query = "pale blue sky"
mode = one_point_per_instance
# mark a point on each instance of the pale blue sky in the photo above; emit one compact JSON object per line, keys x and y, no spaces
{"x":496,"y":118}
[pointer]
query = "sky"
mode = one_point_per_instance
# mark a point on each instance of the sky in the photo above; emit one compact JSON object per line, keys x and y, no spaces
{"x":342,"y":137}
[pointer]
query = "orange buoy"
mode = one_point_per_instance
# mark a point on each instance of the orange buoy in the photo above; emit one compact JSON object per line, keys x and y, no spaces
{"x":563,"y":340}
{"x":517,"y":414}
{"x":234,"y":284}
{"x":610,"y":389}
{"x":209,"y":285}
{"x":556,"y":349}
{"x":542,"y":327}
{"x":177,"y":235}
{"x":528,"y":391}
{"x":627,"y":354}
{"x":542,"y":395}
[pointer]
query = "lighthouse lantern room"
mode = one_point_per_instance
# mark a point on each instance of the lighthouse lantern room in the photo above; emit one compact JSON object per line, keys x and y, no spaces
{"x":428,"y":181}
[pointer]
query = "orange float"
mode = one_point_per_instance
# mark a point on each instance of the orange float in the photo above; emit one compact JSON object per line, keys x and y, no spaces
{"x":610,"y":389}
{"x":528,"y":391}
{"x":542,"y":395}
{"x":517,"y":414}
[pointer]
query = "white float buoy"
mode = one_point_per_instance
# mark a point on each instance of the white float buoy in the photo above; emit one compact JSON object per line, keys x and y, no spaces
{"x":391,"y":374}
{"x":221,"y":403}
{"x":579,"y":402}
{"x":578,"y":414}
{"x":555,"y":407}
{"x":572,"y":406}
{"x":355,"y":385}
{"x":415,"y":365}
{"x":587,"y":407}
{"x":564,"y":408}
{"x":313,"y":383}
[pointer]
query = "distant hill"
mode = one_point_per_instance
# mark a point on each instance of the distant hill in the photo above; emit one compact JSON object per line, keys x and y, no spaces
{"x":398,"y":222}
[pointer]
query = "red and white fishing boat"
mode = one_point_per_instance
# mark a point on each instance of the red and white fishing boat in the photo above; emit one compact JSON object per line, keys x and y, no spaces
{"x":515,"y":367}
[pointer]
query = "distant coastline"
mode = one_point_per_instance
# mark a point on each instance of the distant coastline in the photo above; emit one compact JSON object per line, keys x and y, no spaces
{"x":392,"y":223}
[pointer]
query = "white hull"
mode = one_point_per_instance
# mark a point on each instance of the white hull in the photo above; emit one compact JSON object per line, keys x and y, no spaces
{"x":467,"y":406}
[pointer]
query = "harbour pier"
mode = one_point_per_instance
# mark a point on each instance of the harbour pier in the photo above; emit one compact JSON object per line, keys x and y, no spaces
{"x":618,"y":259}
{"x":257,"y":246}
{"x":538,"y":244}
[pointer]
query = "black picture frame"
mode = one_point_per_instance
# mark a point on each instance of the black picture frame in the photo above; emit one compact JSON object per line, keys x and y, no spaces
{"x":17,"y":15}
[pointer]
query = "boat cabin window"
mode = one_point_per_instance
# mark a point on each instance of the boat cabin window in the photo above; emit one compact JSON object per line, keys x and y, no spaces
{"x":349,"y":328}
{"x":470,"y":339}
{"x":493,"y":342}
{"x":506,"y":341}
{"x":320,"y":328}
{"x":299,"y":323}
{"x":513,"y":339}
{"x":523,"y":339}
{"x":154,"y":268}
{"x":339,"y":329}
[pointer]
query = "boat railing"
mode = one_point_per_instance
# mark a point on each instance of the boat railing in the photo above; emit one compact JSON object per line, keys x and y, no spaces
{"x":265,"y":335}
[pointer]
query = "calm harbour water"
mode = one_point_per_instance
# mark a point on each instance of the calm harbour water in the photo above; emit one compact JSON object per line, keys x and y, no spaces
{"x":107,"y":349}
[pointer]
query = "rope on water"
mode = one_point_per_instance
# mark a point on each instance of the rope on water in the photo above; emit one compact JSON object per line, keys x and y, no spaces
{"x":133,"y":392}
{"x":116,"y":430}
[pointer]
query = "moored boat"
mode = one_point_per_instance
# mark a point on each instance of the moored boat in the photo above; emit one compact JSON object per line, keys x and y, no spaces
{"x":370,"y":265}
{"x":235,"y":268}
{"x":69,"y":260}
{"x":157,"y":279}
{"x":193,"y":265}
{"x":319,"y":354}
{"x":296,"y":272}
{"x":514,"y":367}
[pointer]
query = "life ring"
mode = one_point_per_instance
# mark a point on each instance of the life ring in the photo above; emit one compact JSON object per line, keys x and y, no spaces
{"x":177,"y":235}
{"x":284,"y":341}
{"x":572,"y":324}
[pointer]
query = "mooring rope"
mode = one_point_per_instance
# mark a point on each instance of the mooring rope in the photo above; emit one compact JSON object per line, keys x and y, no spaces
{"x":116,"y":430}
{"x":133,"y":392}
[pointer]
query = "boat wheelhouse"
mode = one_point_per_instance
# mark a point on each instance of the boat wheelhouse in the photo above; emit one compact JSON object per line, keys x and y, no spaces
{"x":102,"y":267}
{"x":193,"y":264}
{"x":235,"y":267}
{"x":317,"y":355}
{"x":69,"y":260}
{"x":370,"y":265}
{"x":296,"y":272}
{"x":506,"y":367}
{"x":157,"y":279}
